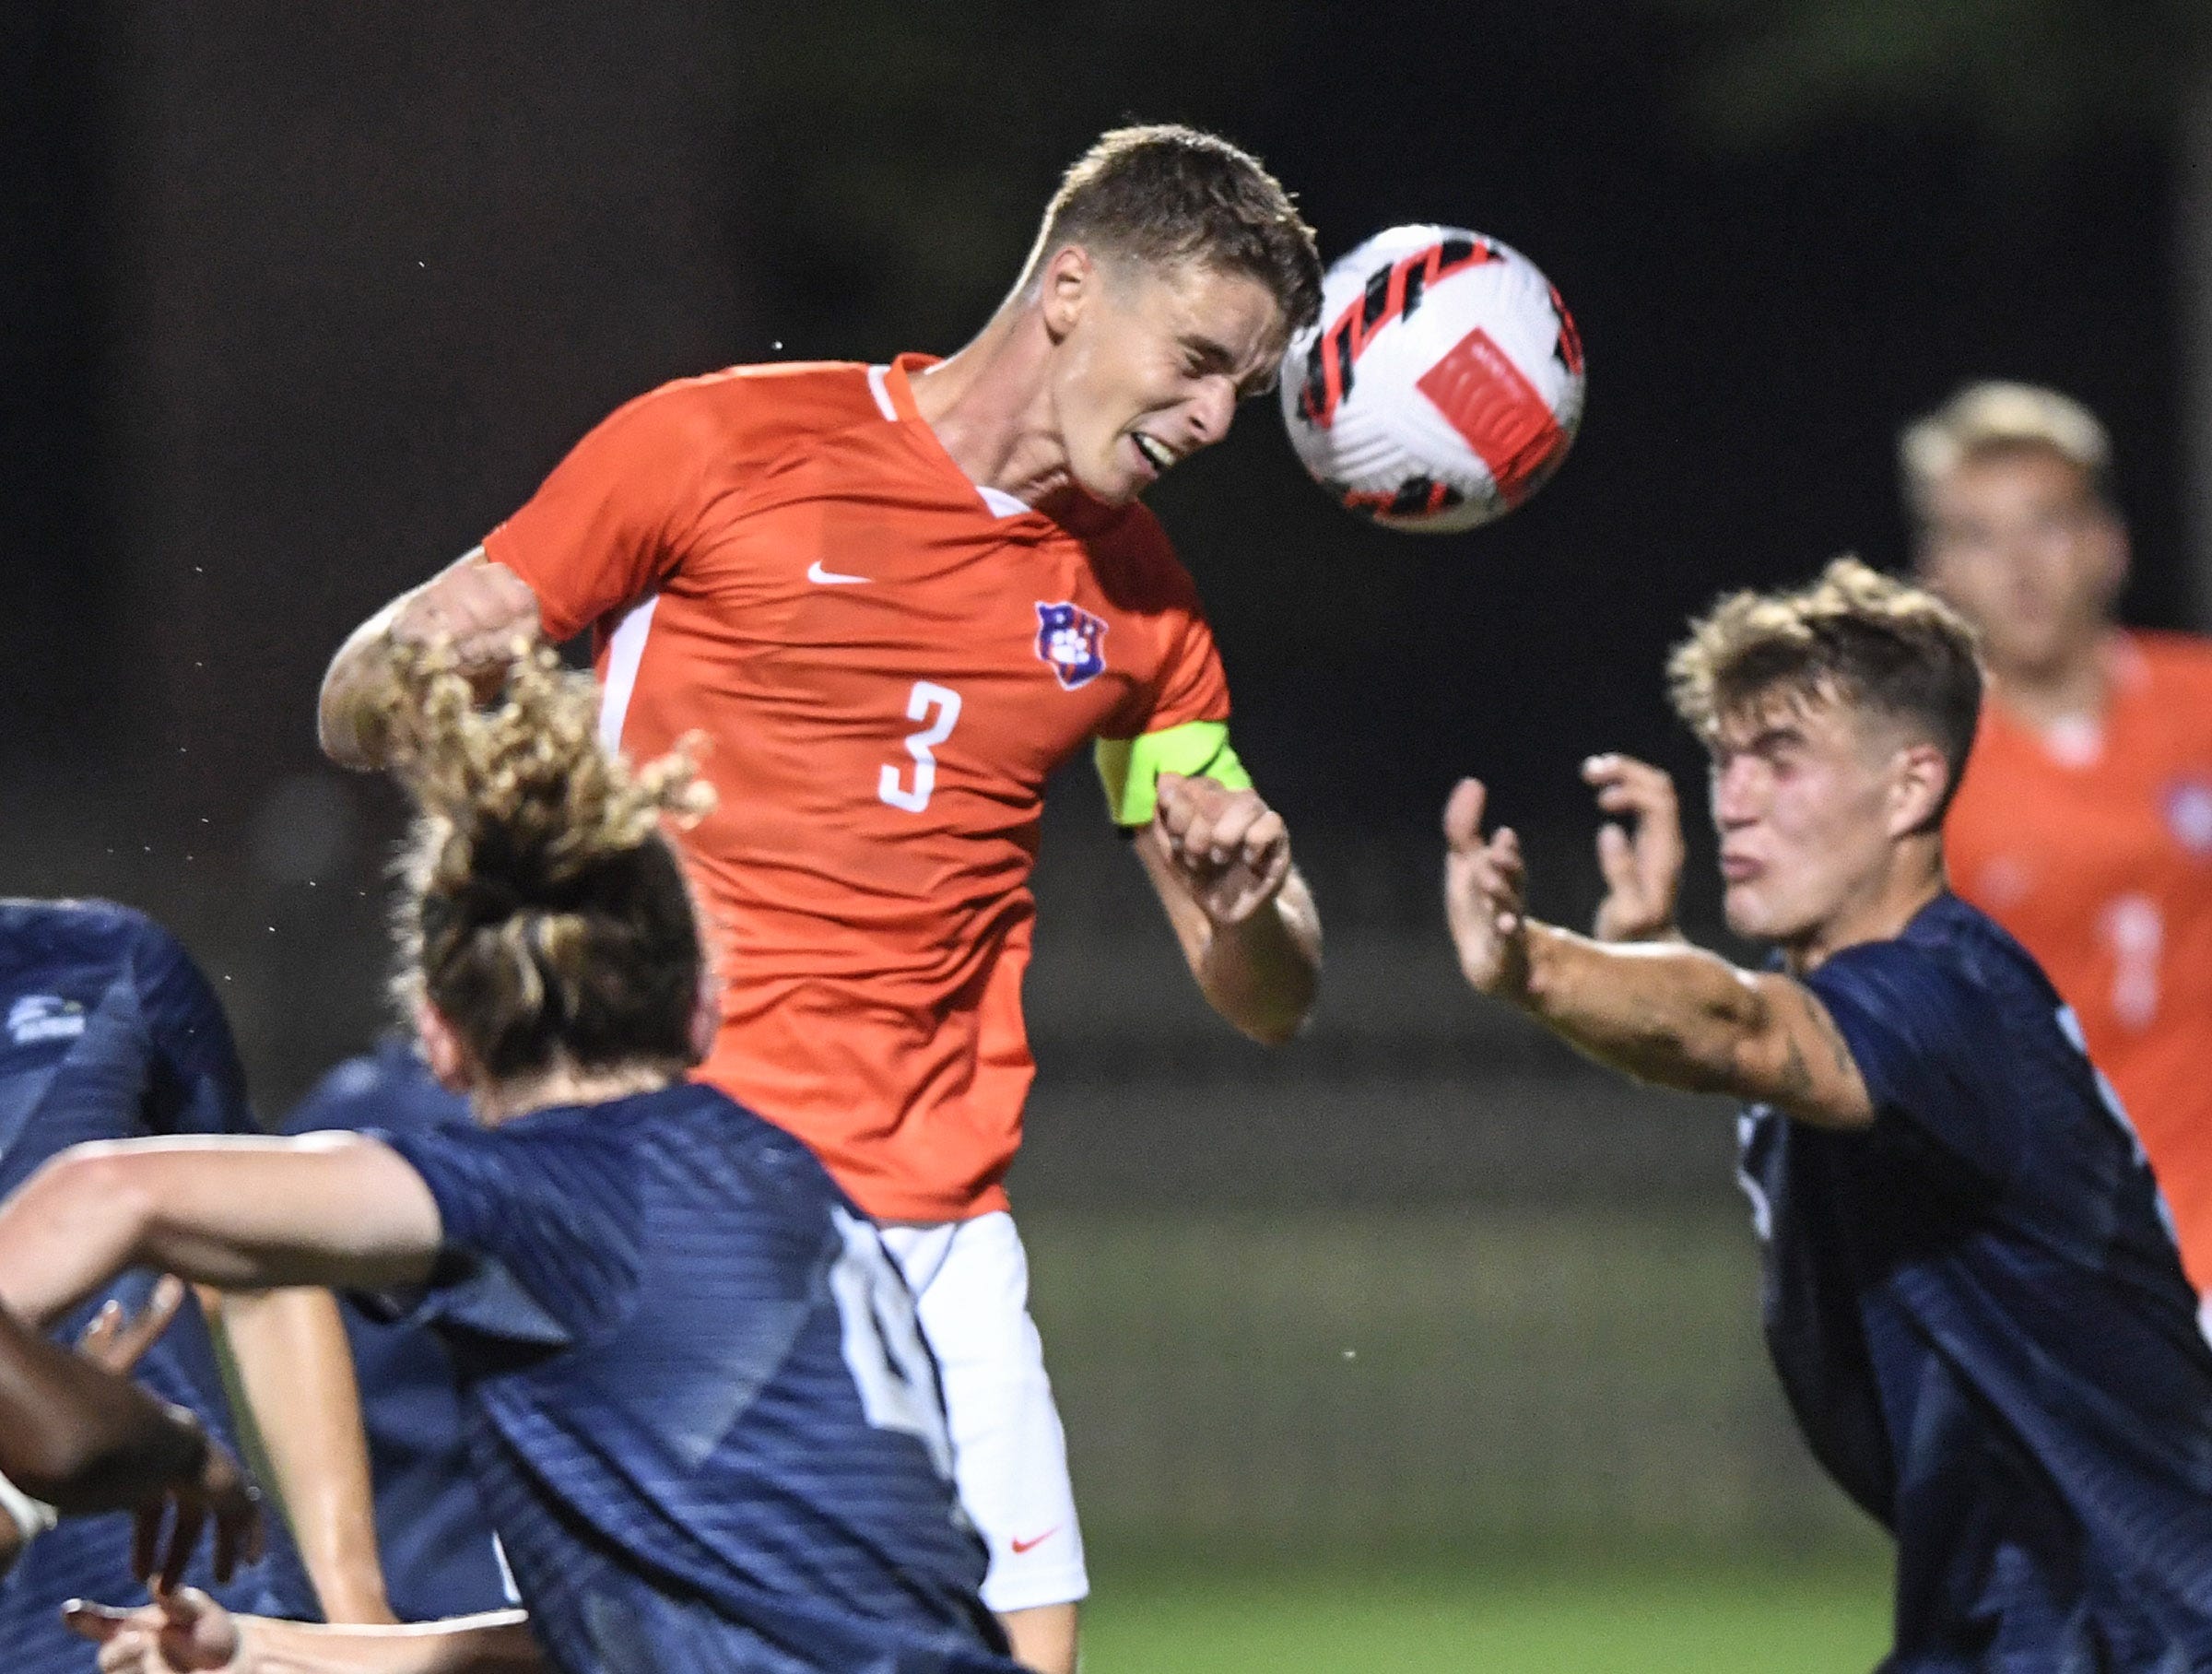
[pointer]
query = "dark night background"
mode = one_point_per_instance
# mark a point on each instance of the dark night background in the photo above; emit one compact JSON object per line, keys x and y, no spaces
{"x":1759,"y":322}
{"x":297,"y":301}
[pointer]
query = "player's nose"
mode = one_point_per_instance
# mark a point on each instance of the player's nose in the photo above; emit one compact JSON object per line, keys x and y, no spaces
{"x":1213,"y":409}
{"x":1733,"y":802}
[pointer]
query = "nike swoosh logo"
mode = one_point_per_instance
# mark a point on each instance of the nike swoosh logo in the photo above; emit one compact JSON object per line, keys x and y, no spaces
{"x":831,"y":578}
{"x":1022,"y":1546}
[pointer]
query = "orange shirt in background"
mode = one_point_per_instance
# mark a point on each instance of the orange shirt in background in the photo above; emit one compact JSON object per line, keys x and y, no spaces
{"x":2094,"y":847}
{"x":887,"y":662}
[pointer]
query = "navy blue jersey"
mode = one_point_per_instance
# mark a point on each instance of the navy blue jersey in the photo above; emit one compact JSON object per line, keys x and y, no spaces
{"x":1979,"y":1317}
{"x":108,"y":1031}
{"x":700,"y":1412}
{"x":439,"y":1555}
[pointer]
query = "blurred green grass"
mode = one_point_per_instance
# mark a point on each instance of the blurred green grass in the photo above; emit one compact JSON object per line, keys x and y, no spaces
{"x":1779,"y":1619}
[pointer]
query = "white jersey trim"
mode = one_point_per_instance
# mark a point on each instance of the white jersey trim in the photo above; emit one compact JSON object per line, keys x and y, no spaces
{"x":999,"y":502}
{"x":881,"y":390}
{"x":625,"y":651}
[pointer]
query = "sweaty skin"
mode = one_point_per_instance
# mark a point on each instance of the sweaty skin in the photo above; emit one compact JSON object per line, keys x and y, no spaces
{"x":1829,"y":838}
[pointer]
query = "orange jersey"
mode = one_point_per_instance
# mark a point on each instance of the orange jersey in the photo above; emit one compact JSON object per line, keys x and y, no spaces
{"x":886,"y":663}
{"x":2095,"y":850}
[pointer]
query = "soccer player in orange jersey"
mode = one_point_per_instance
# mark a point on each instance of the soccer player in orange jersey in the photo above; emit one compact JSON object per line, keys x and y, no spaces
{"x":2083,"y":824}
{"x":892,"y":600}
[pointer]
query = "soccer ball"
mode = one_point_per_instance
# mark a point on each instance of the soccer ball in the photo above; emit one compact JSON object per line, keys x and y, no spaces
{"x":1440,"y":386}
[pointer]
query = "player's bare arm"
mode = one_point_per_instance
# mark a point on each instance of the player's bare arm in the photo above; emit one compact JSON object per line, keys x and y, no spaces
{"x":1660,"y":1011}
{"x":187,"y":1629}
{"x":480,"y":608}
{"x":296,"y":1367}
{"x":1220,"y":862}
{"x":232,"y":1212}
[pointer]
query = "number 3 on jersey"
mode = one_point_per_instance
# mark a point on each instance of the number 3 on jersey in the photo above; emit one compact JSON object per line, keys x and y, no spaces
{"x":924,"y":697}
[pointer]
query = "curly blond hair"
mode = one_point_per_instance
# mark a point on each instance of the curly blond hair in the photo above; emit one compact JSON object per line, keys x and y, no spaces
{"x":542,"y":911}
{"x":1853,"y":636}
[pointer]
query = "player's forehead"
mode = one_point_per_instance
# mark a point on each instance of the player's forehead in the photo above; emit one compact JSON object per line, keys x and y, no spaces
{"x":2027,"y":473}
{"x":1808,"y":713}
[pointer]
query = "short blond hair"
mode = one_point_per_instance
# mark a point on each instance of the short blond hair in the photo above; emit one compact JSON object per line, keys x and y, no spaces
{"x":1997,"y":418}
{"x":1854,"y":636}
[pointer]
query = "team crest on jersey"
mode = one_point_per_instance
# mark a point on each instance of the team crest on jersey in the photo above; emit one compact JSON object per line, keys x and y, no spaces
{"x":44,"y":1017}
{"x":1073,"y":642}
{"x":2189,"y":814}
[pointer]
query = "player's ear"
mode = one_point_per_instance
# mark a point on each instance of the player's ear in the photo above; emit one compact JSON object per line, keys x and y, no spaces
{"x":442,"y":1050}
{"x":1921,"y":775}
{"x":706,"y":1014}
{"x":1070,"y":278}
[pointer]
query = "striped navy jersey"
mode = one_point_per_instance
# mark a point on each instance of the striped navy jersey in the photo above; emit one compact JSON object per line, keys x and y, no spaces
{"x":108,"y":1031}
{"x":700,"y":1412}
{"x":1978,"y":1314}
{"x":439,"y":1558}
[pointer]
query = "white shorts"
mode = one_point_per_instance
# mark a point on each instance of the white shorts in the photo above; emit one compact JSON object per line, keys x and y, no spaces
{"x":971,"y":1280}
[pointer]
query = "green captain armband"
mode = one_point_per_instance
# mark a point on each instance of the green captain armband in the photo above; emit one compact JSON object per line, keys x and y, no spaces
{"x":1130,"y":768}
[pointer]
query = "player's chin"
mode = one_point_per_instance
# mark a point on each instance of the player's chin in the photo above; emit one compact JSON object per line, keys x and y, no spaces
{"x":1123,"y":476}
{"x":1748,"y":913}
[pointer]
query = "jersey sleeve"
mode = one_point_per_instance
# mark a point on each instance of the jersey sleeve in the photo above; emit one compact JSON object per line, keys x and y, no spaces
{"x":1916,"y":1030}
{"x":1177,"y":721}
{"x":196,"y":1084}
{"x":611,"y":522}
{"x":541,"y":1233}
{"x":1191,"y":685}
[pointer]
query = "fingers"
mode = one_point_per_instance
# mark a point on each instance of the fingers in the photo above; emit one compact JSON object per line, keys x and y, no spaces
{"x":1616,"y":858}
{"x":180,"y":1630}
{"x":146,"y":1536}
{"x":1208,"y":825}
{"x":1504,"y":877}
{"x":1463,"y":815}
{"x":183,"y":1536}
{"x":1626,"y":785}
{"x":100,"y":1334}
{"x":98,"y":1622}
{"x":121,"y":1345}
{"x":239,"y":1533}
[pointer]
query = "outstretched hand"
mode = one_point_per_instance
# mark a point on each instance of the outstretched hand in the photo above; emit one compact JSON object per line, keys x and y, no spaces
{"x":1483,"y":896}
{"x":1642,"y":856}
{"x":163,"y":1543}
{"x":179,"y":1633}
{"x":1230,"y":849}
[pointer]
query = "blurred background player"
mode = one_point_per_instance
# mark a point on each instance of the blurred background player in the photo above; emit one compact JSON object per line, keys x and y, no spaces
{"x":111,"y":1031}
{"x":702,"y":1414}
{"x":439,"y":1558}
{"x":2084,"y":823}
{"x":893,"y":599}
{"x":1975,"y":1305}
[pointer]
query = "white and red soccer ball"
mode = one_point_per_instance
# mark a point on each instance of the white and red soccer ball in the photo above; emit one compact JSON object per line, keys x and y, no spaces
{"x":1441,"y":384}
